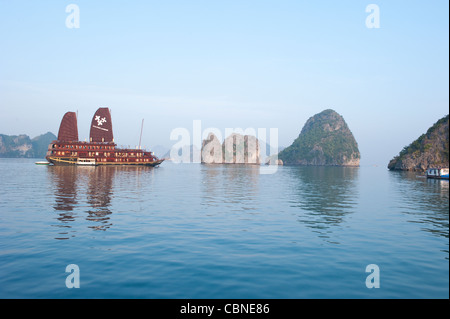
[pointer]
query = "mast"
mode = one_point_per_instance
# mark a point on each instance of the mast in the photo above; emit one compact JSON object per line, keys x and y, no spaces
{"x":140,"y":137}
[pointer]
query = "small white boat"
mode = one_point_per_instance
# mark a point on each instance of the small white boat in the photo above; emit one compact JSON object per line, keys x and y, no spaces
{"x":438,"y":173}
{"x":42,"y":163}
{"x":86,"y":161}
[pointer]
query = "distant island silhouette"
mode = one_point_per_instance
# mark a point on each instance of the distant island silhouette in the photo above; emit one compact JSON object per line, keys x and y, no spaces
{"x":22,"y":146}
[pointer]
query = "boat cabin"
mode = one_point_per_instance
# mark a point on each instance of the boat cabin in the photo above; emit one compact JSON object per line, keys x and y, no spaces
{"x":440,"y":173}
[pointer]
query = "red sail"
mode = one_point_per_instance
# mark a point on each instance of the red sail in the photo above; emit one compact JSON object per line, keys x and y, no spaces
{"x":68,"y":130}
{"x":101,"y":126}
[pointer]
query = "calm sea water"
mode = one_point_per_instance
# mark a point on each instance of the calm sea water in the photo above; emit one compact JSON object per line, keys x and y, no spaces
{"x":198,"y":231}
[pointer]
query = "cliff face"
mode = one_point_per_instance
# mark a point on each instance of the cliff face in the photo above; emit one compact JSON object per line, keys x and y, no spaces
{"x":236,"y":149}
{"x":324,"y":140}
{"x":429,"y":150}
{"x":15,"y":146}
{"x":23,"y":146}
{"x":212,"y":150}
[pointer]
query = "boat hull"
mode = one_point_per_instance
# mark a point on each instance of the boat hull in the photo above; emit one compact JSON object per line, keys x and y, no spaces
{"x":437,"y":173}
{"x":439,"y":177}
{"x":73,"y":161}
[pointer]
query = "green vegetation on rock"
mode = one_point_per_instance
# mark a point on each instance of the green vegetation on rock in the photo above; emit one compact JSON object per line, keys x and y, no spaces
{"x":23,"y":146}
{"x":324,"y":140}
{"x":429,"y":150}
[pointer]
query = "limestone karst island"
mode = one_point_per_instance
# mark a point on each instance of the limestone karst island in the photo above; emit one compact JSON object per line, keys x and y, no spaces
{"x":325,"y":140}
{"x":22,"y":146}
{"x":236,"y":149}
{"x":428,"y":151}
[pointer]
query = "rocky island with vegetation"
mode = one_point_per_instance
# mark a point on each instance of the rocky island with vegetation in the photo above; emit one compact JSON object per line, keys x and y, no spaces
{"x":325,"y":140}
{"x":429,"y":150}
{"x":22,"y":146}
{"x":236,"y":149}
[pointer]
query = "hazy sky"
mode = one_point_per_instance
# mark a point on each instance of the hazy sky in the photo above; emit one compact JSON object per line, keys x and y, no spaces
{"x":247,"y":63}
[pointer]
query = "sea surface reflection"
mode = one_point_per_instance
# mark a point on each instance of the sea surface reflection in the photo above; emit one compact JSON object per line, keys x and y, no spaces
{"x":425,"y":201}
{"x":225,"y":231}
{"x":324,"y":196}
{"x":230,"y":187}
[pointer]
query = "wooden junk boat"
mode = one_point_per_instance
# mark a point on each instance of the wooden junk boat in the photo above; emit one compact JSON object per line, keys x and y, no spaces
{"x":100,"y":150}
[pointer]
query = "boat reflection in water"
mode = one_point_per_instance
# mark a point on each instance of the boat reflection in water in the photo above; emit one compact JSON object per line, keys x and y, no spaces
{"x":99,"y":196}
{"x":84,"y":194}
